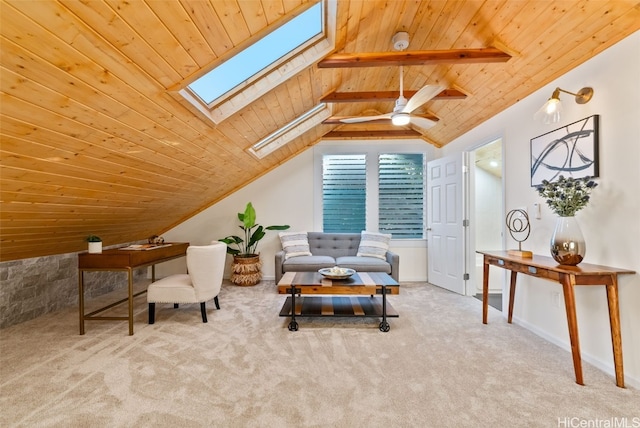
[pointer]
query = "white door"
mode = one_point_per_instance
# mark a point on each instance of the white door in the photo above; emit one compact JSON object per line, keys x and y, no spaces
{"x":445,"y":230}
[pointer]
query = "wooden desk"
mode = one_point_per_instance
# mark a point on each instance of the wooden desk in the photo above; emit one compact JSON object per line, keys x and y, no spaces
{"x":568,"y":276}
{"x":127,"y":261}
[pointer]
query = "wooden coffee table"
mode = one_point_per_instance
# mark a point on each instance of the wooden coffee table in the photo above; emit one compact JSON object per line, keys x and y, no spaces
{"x":343,"y":297}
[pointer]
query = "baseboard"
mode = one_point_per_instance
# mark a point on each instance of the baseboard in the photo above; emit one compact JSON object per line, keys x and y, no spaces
{"x":606,"y":367}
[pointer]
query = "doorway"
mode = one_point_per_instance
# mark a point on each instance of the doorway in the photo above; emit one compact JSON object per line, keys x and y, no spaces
{"x":486,"y":214}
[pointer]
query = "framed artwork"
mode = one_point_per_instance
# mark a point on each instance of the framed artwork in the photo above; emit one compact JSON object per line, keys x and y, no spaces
{"x":571,"y":151}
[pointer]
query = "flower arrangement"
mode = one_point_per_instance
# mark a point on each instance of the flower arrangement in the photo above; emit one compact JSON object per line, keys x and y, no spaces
{"x":566,"y":196}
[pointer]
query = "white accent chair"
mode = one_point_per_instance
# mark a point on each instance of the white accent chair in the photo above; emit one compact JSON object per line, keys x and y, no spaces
{"x":205,"y":267}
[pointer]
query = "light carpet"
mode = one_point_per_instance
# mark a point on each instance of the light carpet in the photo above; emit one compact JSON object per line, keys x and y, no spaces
{"x":438,"y":366}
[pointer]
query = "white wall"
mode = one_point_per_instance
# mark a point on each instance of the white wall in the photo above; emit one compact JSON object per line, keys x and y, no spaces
{"x":610,"y":222}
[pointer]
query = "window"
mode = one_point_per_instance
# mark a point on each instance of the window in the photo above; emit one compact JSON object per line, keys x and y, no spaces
{"x":344,"y":191}
{"x":401,"y":195}
{"x":259,"y":56}
{"x":265,"y":62}
{"x":391,"y":200}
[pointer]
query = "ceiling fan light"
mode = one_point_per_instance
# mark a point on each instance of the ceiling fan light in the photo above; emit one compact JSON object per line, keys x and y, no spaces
{"x":400,"y":119}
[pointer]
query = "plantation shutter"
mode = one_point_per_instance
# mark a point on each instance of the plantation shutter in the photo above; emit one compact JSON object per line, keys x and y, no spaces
{"x":401,"y":195}
{"x":344,"y":193}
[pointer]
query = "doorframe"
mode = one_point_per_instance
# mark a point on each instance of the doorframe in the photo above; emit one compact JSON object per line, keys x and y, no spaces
{"x":469,"y":201}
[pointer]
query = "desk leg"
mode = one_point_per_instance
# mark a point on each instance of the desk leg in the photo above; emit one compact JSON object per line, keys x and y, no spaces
{"x":130,"y":272}
{"x":568,"y":282}
{"x":512,"y":294}
{"x":485,"y":291}
{"x":81,"y":299}
{"x":614,"y":322}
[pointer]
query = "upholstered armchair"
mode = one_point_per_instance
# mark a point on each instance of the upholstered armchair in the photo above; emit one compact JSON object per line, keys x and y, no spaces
{"x":205,"y":267}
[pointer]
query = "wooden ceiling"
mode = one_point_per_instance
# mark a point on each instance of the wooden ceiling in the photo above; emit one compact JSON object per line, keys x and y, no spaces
{"x":93,"y":140}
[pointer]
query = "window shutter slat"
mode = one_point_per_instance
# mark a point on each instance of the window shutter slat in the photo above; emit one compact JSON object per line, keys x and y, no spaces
{"x":401,"y":195}
{"x":344,"y":193}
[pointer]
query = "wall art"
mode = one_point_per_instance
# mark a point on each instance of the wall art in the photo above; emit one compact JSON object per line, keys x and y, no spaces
{"x":571,"y":151}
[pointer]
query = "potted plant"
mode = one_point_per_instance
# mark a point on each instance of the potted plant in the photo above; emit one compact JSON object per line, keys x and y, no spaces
{"x":246,"y":267}
{"x":95,"y":244}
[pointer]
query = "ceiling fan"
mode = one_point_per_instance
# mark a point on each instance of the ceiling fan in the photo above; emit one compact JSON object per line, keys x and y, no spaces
{"x":401,"y":114}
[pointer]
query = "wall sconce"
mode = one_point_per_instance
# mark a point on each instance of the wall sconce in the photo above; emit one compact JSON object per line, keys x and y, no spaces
{"x":550,"y":111}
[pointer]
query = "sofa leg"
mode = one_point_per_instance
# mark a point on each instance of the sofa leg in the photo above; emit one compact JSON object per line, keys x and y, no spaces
{"x":215,"y":300}
{"x":175,"y":306}
{"x":152,"y":313}
{"x":203,"y":309}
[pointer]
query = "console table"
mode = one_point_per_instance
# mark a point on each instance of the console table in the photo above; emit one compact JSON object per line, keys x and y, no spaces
{"x":118,"y":259}
{"x":568,"y":277}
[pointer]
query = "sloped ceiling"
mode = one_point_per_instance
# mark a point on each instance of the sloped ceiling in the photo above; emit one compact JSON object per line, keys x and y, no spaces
{"x":93,"y":141}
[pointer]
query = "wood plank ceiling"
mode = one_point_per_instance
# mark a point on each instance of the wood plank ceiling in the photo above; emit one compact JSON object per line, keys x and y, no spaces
{"x":92,"y":140}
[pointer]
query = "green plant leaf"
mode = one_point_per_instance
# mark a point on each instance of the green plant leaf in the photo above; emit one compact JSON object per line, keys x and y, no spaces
{"x":249,"y":217}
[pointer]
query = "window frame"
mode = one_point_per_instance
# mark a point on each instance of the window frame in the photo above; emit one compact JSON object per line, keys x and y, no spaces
{"x":266,"y":80}
{"x":372,"y":149}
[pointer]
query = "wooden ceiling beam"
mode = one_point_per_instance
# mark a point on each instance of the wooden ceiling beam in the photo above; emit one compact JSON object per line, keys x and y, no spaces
{"x":385,"y":59}
{"x":380,"y":135}
{"x":374,"y":96}
{"x":336,"y":120}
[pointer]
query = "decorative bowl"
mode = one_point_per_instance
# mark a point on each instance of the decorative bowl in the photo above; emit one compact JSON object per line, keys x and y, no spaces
{"x":336,"y":272}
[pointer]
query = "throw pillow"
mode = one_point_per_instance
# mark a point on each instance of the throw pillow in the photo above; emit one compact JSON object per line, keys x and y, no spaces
{"x":294,"y":244}
{"x":374,"y":244}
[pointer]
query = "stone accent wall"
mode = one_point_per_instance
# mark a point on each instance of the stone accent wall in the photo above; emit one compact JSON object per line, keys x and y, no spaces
{"x":33,"y":287}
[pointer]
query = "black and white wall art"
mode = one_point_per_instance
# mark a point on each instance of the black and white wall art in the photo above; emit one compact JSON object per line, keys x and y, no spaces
{"x":571,"y":151}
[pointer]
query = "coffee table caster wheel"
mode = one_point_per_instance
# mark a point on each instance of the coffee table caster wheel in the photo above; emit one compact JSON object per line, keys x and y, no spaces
{"x":293,"y":326}
{"x":384,"y":326}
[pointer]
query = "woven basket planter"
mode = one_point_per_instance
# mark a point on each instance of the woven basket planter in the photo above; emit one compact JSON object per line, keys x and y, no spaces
{"x":246,"y":270}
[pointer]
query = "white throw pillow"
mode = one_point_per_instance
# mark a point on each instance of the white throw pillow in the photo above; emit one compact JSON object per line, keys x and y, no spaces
{"x":294,"y":244}
{"x":374,"y":244}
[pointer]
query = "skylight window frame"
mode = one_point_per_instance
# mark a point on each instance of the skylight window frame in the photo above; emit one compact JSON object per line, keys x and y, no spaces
{"x":270,"y":77}
{"x":272,"y":65}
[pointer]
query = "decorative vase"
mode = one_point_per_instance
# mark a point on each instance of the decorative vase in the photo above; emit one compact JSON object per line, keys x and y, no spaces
{"x":246,"y":269}
{"x":567,"y":243}
{"x":95,"y":247}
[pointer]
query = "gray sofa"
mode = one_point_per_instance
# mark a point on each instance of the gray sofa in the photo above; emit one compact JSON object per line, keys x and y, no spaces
{"x":335,"y":249}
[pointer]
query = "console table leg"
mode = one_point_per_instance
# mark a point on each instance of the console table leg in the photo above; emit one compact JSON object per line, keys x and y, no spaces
{"x":568,"y":281}
{"x":614,"y":323}
{"x":512,"y":294}
{"x":485,"y":291}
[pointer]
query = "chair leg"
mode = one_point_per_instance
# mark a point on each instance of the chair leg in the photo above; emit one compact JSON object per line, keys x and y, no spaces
{"x":175,"y":306}
{"x":215,"y":300}
{"x":203,"y":309}
{"x":152,"y":313}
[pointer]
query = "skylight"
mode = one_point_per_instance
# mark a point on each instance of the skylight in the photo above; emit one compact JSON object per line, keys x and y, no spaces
{"x":259,"y":56}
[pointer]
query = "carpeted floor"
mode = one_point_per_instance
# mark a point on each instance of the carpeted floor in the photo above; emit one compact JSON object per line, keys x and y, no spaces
{"x":439,"y":366}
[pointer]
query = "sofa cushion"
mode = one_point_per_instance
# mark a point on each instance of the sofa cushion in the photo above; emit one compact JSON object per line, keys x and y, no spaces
{"x":307,"y":263}
{"x":333,"y":244}
{"x":294,"y":244}
{"x":374,"y":244}
{"x":364,"y":264}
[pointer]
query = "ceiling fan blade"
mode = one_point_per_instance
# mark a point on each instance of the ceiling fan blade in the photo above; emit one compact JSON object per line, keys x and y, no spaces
{"x":422,"y":96}
{"x":365,"y":118}
{"x":422,"y":122}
